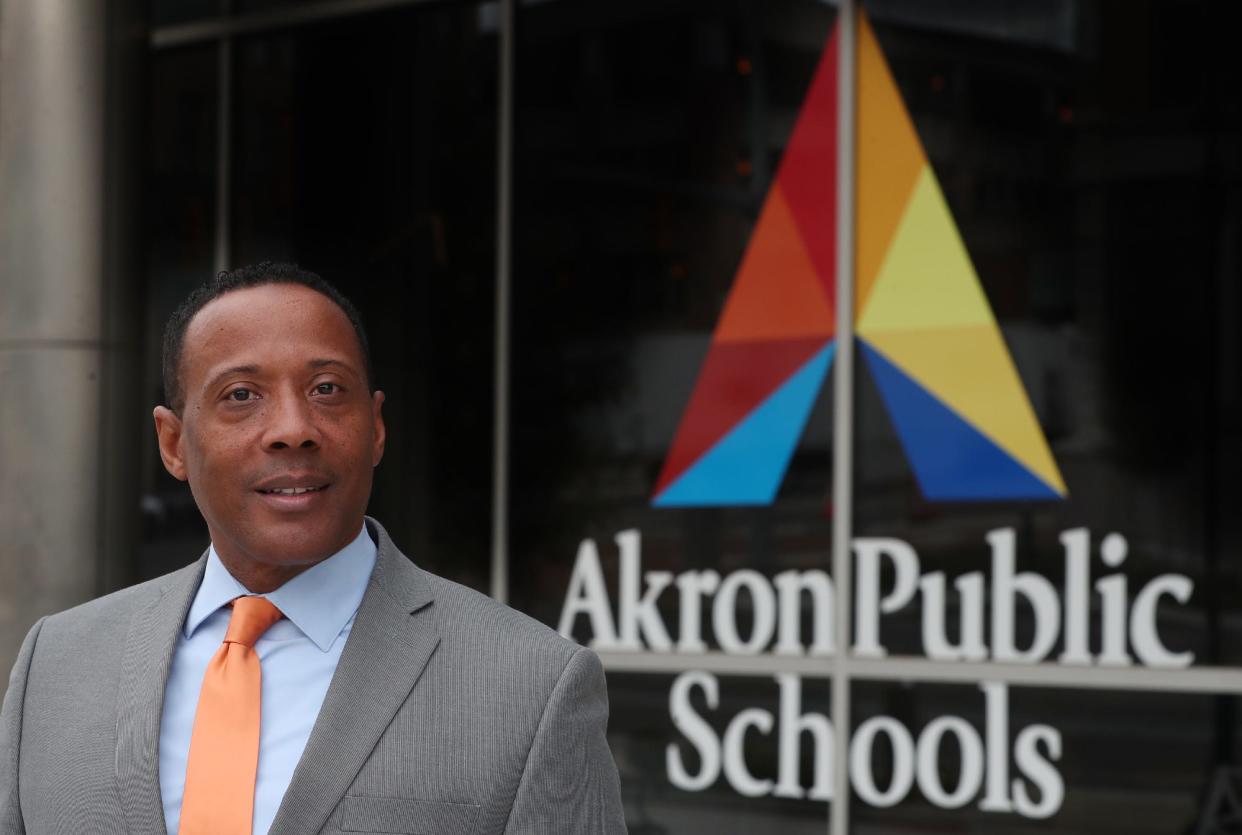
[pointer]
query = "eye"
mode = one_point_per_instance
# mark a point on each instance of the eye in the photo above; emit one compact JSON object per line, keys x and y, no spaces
{"x":327,"y":388}
{"x":240,"y":395}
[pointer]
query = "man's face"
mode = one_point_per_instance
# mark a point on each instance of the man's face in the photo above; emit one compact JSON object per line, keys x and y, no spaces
{"x":279,"y":433}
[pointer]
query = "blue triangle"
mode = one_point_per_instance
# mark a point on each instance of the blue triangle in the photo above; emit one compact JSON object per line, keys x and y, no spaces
{"x":952,"y":460}
{"x":747,"y":465}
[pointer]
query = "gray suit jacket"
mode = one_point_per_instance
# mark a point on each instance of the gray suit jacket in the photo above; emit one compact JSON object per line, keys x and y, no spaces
{"x":448,"y":713}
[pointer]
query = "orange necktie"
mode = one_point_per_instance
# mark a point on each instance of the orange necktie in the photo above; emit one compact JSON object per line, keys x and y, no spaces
{"x":224,"y":747}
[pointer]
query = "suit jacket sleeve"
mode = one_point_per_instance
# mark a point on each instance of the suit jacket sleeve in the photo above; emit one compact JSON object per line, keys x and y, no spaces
{"x":11,"y":737}
{"x":570,"y":782}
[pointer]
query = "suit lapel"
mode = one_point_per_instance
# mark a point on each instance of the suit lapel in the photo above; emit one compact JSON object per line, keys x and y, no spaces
{"x":392,"y":640}
{"x":140,"y":700}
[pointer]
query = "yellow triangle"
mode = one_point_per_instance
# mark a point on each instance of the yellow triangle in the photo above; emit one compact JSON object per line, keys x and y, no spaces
{"x":969,"y":368}
{"x":890,"y":158}
{"x":926,"y":279}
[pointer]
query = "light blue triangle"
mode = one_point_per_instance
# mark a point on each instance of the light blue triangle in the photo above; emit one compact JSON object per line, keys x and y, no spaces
{"x":747,"y":465}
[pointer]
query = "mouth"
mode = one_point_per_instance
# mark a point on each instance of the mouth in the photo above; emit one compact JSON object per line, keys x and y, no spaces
{"x":292,"y":491}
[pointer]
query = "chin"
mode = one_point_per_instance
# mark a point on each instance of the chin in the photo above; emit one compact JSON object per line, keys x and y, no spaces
{"x":289,"y":543}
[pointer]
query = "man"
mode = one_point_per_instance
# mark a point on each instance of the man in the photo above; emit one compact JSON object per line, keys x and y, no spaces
{"x":302,"y":676}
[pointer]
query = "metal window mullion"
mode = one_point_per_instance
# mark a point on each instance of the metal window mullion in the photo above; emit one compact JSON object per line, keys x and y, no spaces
{"x":843,"y":417}
{"x":224,"y":154}
{"x":225,"y":24}
{"x":504,"y":218}
{"x":918,"y":670}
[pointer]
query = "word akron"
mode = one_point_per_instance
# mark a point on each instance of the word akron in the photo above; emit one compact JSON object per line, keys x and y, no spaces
{"x":888,"y":581}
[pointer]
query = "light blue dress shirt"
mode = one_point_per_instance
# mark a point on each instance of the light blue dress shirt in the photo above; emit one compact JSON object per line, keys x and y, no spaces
{"x":298,"y":654}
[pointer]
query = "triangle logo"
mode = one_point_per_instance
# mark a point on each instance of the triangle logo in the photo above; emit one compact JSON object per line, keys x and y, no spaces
{"x":922,"y":320}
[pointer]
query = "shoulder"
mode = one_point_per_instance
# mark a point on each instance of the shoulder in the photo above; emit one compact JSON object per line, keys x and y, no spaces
{"x":76,"y":656}
{"x":105,"y":615}
{"x":475,"y":631}
{"x":476,"y":622}
{"x":498,"y":663}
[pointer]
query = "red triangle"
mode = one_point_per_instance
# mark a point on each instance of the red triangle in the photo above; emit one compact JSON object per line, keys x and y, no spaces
{"x":808,"y":170}
{"x":735,"y":378}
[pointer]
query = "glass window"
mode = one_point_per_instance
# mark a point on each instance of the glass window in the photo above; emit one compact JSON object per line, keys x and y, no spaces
{"x":244,"y":6}
{"x":1005,"y":759}
{"x":179,"y":230}
{"x":646,"y":140}
{"x":1043,"y":446}
{"x":1046,"y":374}
{"x":166,"y":12}
{"x":1091,"y":205}
{"x":364,"y":149}
{"x":1045,"y":202}
{"x":725,"y":754}
{"x":645,"y":145}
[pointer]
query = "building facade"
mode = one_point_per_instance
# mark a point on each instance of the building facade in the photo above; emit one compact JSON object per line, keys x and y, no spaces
{"x":859,"y":380}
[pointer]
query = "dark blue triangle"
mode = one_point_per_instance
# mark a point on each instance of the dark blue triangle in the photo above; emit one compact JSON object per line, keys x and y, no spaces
{"x":952,"y":460}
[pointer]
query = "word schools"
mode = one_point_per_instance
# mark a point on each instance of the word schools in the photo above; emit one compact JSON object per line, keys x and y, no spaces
{"x":983,"y":759}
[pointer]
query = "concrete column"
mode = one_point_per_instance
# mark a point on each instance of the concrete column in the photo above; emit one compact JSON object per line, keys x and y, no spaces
{"x":63,"y":297}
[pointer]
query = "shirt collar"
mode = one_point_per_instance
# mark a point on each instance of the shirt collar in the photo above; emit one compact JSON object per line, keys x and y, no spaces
{"x":319,"y":601}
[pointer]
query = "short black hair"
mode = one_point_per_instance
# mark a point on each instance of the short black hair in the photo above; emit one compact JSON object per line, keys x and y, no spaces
{"x":253,"y":275}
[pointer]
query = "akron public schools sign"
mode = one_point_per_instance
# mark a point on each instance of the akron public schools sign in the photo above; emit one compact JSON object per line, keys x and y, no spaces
{"x":775,"y":605}
{"x":969,"y":432}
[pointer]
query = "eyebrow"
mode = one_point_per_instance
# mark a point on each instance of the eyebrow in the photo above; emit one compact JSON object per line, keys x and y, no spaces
{"x":343,"y":365}
{"x":226,"y":372}
{"x":324,"y":362}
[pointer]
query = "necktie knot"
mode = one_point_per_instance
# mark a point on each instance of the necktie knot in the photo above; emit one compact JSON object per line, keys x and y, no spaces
{"x":252,"y":616}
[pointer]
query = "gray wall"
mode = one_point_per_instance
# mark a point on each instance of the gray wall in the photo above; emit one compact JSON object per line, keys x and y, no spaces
{"x":66,"y":299}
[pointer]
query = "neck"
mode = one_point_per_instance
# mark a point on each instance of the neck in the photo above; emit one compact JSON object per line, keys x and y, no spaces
{"x":260,"y":578}
{"x":260,"y":574}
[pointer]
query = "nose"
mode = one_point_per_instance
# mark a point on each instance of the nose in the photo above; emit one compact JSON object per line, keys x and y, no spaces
{"x":290,"y":425}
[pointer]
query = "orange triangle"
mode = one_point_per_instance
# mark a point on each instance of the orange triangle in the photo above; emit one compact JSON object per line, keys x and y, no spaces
{"x":890,"y":158}
{"x":777,"y":293}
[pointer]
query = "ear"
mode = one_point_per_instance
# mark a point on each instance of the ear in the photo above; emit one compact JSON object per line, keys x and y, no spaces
{"x":168,"y":433}
{"x":377,"y":452}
